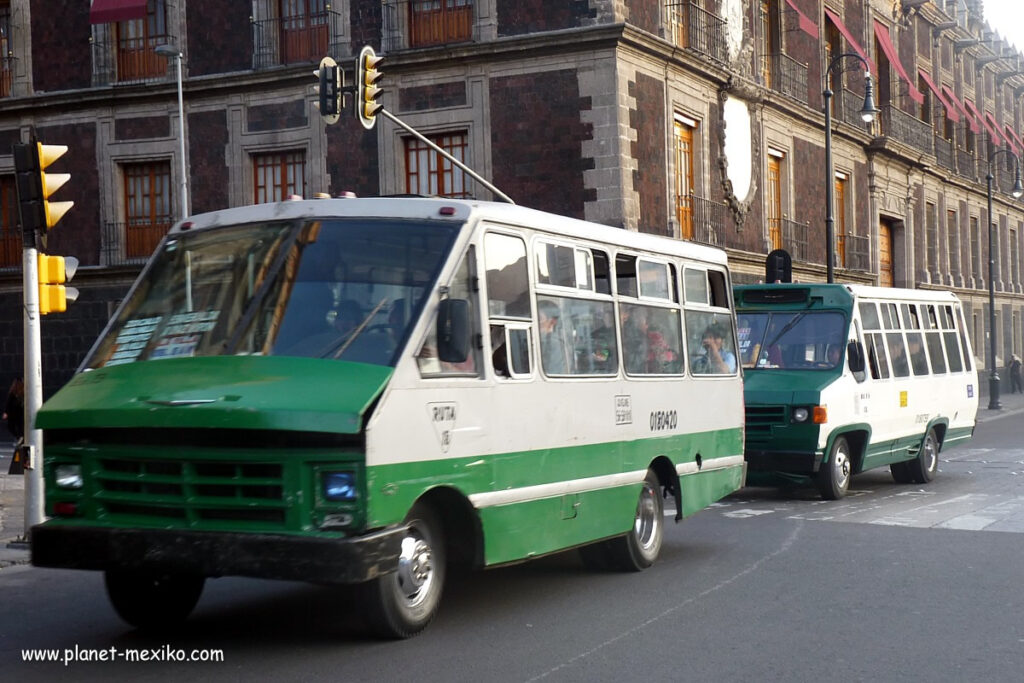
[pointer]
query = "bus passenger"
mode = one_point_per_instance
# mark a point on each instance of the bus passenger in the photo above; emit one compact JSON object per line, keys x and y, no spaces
{"x":552,"y":346}
{"x":716,"y":359}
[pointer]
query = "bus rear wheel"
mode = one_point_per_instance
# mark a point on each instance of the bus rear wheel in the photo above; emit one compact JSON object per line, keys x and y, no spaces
{"x":402,"y":603}
{"x":833,"y":478}
{"x":923,"y":468}
{"x":153,"y":601}
{"x":639,"y":548}
{"x":901,"y":473}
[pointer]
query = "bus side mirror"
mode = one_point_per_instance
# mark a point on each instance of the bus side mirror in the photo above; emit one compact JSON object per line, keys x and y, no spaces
{"x":453,"y":331}
{"x":855,"y":359}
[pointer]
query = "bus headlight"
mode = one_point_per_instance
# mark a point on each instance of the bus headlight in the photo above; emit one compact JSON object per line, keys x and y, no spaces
{"x":68,"y":476}
{"x":800,"y":414}
{"x":339,"y":486}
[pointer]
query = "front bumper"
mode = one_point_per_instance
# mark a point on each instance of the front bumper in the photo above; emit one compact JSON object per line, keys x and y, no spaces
{"x":782,"y":461}
{"x":203,"y":553}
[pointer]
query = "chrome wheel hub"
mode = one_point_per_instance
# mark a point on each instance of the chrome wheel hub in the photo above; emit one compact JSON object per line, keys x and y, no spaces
{"x":415,"y":569}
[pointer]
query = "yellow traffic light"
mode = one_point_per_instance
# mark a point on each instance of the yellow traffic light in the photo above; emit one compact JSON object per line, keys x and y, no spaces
{"x":35,"y":186}
{"x":54,"y":271}
{"x":51,"y":182}
{"x":367,"y":92}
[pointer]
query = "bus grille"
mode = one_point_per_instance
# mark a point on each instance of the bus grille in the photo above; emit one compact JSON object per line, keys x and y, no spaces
{"x":761,"y":419}
{"x":193,"y":493}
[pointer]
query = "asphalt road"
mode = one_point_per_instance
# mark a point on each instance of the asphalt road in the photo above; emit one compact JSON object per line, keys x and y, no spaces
{"x":895,"y":583}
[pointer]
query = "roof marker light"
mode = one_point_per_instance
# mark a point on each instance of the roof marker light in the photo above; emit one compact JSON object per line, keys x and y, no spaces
{"x":447,"y":211}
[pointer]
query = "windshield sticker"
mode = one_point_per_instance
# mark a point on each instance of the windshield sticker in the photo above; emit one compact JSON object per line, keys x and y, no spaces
{"x":176,"y":346}
{"x":191,"y":323}
{"x":132,"y":338}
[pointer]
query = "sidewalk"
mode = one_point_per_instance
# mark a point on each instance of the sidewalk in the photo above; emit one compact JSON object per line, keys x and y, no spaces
{"x":12,"y":511}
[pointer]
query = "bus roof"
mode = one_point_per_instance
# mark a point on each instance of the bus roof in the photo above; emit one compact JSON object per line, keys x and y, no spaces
{"x":839,"y":292}
{"x":459,"y":210}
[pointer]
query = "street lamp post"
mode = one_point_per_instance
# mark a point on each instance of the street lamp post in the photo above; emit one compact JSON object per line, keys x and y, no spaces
{"x":1018,"y":190}
{"x":171,"y":51}
{"x":867,"y":113}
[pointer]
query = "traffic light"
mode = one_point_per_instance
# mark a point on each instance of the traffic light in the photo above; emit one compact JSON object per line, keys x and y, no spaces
{"x":35,"y":185}
{"x":367,"y":92}
{"x":54,"y":271}
{"x":330,"y":89}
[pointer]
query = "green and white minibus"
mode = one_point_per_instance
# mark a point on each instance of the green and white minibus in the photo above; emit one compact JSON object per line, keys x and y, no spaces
{"x":363,"y":390}
{"x":839,"y":379}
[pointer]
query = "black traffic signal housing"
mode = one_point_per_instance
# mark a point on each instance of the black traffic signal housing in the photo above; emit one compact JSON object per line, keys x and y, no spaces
{"x":367,"y":92}
{"x":330,"y":89}
{"x":54,"y":271}
{"x":35,"y":185}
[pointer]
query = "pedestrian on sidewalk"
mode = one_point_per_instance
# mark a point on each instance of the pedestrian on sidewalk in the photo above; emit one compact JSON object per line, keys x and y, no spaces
{"x":14,"y":415}
{"x":1015,"y":379}
{"x":14,"y":409}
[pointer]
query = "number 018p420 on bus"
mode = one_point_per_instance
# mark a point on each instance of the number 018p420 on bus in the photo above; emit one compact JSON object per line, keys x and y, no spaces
{"x":358,"y":391}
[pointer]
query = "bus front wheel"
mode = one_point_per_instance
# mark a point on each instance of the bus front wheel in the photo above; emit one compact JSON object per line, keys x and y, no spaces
{"x":833,"y":478}
{"x":153,"y":601}
{"x":926,"y":464}
{"x":401,"y":604}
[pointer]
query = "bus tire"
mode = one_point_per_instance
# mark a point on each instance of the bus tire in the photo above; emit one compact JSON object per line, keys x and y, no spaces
{"x":901,"y":472}
{"x":402,"y":603}
{"x":153,"y":601}
{"x":639,"y":548}
{"x":923,"y":468}
{"x":833,"y":478}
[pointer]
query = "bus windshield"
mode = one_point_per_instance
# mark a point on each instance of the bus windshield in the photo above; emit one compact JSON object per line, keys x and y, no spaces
{"x":345,"y":289}
{"x":803,"y":339}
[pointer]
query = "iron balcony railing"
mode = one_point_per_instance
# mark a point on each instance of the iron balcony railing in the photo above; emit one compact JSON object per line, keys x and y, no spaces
{"x":6,"y":74}
{"x":295,"y":39}
{"x":904,"y":127}
{"x":426,"y":23}
{"x":123,"y":243}
{"x":701,"y":220}
{"x":966,"y":164}
{"x":115,"y":64}
{"x":857,"y":249}
{"x":694,"y":28}
{"x":794,"y":239}
{"x":785,"y":75}
{"x":945,"y":153}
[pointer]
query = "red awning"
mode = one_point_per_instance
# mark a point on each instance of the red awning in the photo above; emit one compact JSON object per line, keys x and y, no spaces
{"x":882,"y":33}
{"x":1010,"y":139}
{"x":806,"y":25}
{"x":849,"y":38}
{"x":960,"y":105}
{"x":1013,"y":134}
{"x":109,"y":11}
{"x":951,"y":111}
{"x":997,"y":135}
{"x":991,"y":131}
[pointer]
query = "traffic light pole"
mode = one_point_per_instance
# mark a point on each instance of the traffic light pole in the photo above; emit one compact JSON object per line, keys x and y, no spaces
{"x":33,"y":440}
{"x":466,"y":169}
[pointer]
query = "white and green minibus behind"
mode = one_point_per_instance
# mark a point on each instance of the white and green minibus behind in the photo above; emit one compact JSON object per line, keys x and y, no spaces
{"x":362,"y":391}
{"x":839,"y":379}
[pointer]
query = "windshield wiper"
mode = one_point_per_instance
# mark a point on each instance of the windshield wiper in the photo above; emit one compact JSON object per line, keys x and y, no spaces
{"x":785,"y":328}
{"x":345,"y":342}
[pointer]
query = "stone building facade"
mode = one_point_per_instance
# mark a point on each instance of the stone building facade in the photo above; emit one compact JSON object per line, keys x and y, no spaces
{"x":695,"y":119}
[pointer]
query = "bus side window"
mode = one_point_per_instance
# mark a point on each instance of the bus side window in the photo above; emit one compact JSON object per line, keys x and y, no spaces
{"x":898,"y":354}
{"x":918,"y":360}
{"x":876,"y":355}
{"x":869,"y":315}
{"x":625,"y":275}
{"x":510,"y":355}
{"x":719,"y":290}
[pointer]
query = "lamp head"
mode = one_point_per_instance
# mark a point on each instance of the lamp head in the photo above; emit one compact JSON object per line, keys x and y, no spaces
{"x":1018,"y":189}
{"x":869,"y":110}
{"x":167,"y":50}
